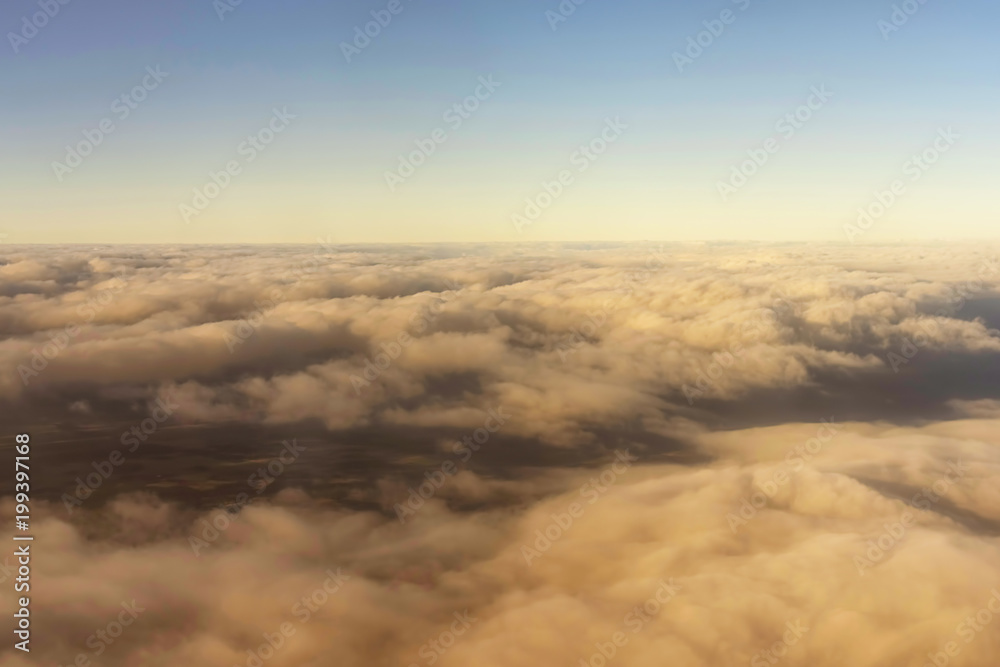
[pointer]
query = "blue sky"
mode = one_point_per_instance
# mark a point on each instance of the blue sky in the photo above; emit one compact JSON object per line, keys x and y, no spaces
{"x":325,"y":174}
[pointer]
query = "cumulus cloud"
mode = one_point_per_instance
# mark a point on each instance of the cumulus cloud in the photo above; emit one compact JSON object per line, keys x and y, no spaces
{"x":719,"y":454}
{"x":823,"y":551}
{"x":569,"y":341}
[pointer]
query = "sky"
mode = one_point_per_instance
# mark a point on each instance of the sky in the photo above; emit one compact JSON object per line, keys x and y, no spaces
{"x":677,"y":119}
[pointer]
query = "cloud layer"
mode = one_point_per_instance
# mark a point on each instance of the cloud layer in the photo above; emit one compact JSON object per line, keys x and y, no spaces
{"x":700,"y":454}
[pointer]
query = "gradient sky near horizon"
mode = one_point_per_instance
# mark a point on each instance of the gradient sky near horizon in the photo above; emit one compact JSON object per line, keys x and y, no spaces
{"x":324,"y":176}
